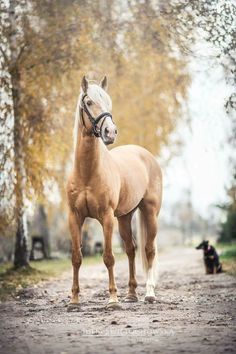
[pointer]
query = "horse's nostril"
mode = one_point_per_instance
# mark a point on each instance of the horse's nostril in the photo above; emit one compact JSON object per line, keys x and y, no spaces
{"x":106,"y":130}
{"x":115,"y":131}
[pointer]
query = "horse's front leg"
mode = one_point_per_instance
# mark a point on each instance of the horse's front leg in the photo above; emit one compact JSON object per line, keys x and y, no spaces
{"x":75,"y":225}
{"x":108,"y":257}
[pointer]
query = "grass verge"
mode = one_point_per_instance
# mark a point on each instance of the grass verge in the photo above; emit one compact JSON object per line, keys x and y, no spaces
{"x":12,"y":280}
{"x":228,"y":257}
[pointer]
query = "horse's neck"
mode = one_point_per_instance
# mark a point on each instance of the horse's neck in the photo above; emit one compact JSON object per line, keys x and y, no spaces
{"x":88,"y":153}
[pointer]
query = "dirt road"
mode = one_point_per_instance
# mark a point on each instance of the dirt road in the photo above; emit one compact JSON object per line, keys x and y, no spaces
{"x":194,"y":313}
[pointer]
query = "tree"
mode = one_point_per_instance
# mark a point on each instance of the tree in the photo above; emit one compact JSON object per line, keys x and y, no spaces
{"x":212,"y":21}
{"x":148,"y":82}
{"x":6,"y":126}
{"x":228,"y":228}
{"x":11,"y":24}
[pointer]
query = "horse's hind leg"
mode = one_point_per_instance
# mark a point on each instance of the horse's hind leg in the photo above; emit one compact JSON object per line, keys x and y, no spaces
{"x":149,"y":211}
{"x":126,"y":235}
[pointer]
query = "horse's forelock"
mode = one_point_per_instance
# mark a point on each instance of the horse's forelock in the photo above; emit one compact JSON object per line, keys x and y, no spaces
{"x":100,"y":97}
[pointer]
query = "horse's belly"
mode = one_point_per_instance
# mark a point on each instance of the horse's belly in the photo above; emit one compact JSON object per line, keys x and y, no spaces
{"x":138,"y":170}
{"x":125,"y":208}
{"x":130,"y":196}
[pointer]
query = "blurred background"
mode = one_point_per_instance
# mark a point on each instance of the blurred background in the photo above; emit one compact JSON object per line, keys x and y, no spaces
{"x":171,"y":72}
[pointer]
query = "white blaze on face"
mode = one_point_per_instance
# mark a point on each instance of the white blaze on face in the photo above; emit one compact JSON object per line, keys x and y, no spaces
{"x":109,"y":123}
{"x":108,"y":131}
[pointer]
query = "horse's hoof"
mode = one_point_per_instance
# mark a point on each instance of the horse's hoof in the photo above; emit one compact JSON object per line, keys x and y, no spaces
{"x":113,"y":306}
{"x":73,"y":307}
{"x":150,"y":299}
{"x":131,"y":298}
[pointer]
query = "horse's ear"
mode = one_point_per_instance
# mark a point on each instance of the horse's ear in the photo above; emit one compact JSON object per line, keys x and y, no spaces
{"x":103,"y":83}
{"x":84,"y":84}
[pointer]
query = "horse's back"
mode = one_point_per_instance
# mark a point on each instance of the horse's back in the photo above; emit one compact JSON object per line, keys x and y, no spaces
{"x":132,"y":149}
{"x":133,"y":154}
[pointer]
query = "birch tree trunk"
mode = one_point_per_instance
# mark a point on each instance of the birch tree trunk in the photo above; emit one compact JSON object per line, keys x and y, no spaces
{"x":21,"y":242}
{"x":17,"y":11}
{"x":13,"y":12}
{"x":7,"y":176}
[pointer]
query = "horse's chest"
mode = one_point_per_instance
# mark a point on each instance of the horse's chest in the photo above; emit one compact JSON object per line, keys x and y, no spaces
{"x":91,"y":204}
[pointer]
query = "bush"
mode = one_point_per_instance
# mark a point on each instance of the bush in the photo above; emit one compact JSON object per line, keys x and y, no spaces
{"x":228,"y":232}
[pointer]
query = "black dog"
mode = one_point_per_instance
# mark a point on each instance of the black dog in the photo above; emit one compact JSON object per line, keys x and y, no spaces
{"x":210,"y":257}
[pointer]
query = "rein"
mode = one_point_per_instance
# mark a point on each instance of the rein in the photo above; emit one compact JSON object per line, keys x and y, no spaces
{"x":94,"y":121}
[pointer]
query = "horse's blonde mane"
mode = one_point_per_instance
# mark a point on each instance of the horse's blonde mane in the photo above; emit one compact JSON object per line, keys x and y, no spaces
{"x":99,"y":97}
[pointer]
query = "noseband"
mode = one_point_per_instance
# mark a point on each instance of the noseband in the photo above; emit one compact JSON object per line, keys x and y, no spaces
{"x":94,"y":121}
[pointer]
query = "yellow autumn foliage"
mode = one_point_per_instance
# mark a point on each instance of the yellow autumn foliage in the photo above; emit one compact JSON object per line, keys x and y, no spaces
{"x":64,"y":40}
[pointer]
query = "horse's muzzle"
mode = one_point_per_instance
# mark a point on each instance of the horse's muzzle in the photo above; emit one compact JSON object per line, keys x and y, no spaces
{"x":110,"y":135}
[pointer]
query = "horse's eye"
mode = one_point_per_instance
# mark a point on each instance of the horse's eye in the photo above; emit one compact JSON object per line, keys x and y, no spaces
{"x":89,"y":103}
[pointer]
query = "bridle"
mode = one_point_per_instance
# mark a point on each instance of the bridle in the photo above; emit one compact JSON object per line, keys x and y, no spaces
{"x":95,"y":121}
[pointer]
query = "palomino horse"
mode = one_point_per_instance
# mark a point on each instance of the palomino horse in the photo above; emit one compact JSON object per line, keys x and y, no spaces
{"x":107,"y":184}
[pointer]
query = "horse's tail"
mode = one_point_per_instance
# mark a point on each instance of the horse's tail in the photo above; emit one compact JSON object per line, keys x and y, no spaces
{"x":142,"y":240}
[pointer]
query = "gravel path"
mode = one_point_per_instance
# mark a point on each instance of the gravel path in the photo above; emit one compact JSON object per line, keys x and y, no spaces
{"x":195,"y":313}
